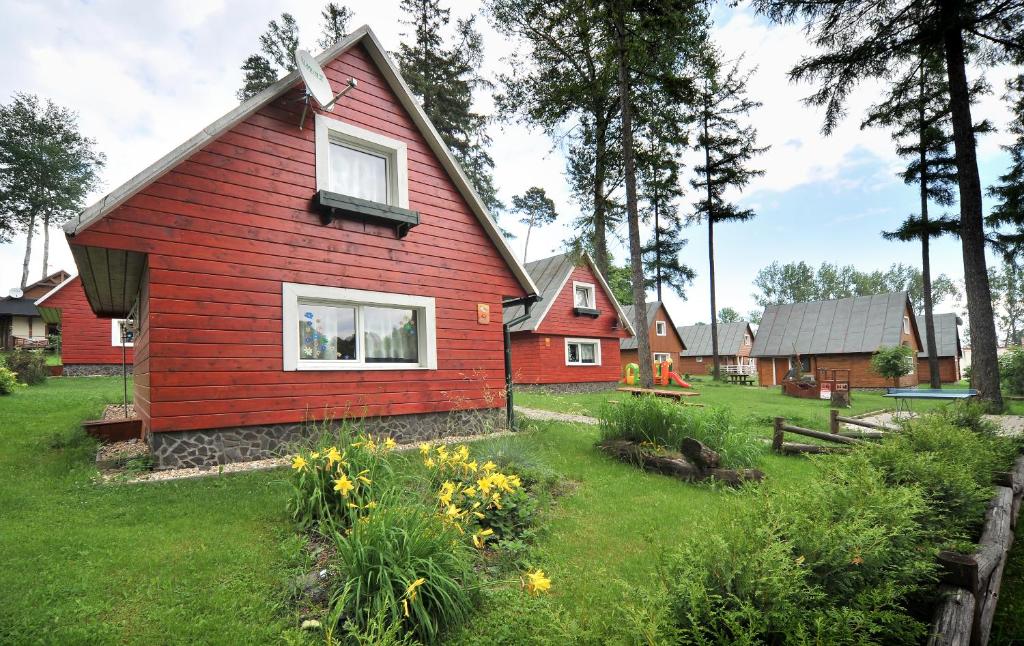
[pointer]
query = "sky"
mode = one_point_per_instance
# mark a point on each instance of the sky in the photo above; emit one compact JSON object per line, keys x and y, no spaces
{"x":145,"y":76}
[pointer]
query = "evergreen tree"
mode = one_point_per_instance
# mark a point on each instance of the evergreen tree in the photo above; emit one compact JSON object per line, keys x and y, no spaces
{"x":565,"y":84}
{"x":860,"y":39}
{"x":334,"y":27}
{"x":47,"y":168}
{"x":1009,"y":191}
{"x":728,"y":315}
{"x":1008,"y":295}
{"x":444,"y":78}
{"x":727,"y":147}
{"x":537,"y":210}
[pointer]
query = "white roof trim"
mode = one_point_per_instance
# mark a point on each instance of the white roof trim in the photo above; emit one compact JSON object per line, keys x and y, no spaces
{"x":55,"y":290}
{"x":604,"y":285}
{"x":364,"y":34}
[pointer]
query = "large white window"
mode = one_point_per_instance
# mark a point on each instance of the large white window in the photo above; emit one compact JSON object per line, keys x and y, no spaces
{"x":583,"y":295}
{"x":662,"y":356}
{"x":119,"y":333}
{"x":361,"y":163}
{"x":582,"y":352}
{"x":660,"y":328}
{"x":329,"y":328}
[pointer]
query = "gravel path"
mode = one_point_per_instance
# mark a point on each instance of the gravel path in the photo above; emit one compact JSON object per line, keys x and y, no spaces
{"x":1009,"y":424}
{"x":551,"y":416}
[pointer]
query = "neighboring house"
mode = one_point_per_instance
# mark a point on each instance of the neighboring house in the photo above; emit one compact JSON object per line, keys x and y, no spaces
{"x":666,"y":344}
{"x":839,"y":333}
{"x":572,"y":335}
{"x":90,"y":345}
{"x":735,"y":340}
{"x":947,"y":345}
{"x":20,"y":322}
{"x":280,"y":269}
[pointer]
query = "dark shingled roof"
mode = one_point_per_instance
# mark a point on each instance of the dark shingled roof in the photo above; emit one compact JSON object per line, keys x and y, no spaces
{"x":697,"y":338}
{"x":947,"y":337}
{"x":18,"y":307}
{"x":858,"y":324}
{"x":652,"y":309}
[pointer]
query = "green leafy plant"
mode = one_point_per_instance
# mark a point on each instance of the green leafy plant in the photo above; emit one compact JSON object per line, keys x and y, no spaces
{"x":28,"y":365}
{"x":893,"y":362}
{"x":1011,"y":371}
{"x":666,"y":424}
{"x":8,"y":381}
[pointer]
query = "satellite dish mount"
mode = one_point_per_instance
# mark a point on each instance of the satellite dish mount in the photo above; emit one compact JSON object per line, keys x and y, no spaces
{"x":317,"y":85}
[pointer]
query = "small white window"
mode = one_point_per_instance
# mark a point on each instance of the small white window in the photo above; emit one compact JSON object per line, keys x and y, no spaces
{"x":329,"y":328}
{"x":906,"y":325}
{"x":119,"y":333}
{"x":582,"y":352}
{"x":746,"y":339}
{"x":361,"y":163}
{"x":662,"y":356}
{"x":583,"y":295}
{"x":660,"y":328}
{"x":700,"y":359}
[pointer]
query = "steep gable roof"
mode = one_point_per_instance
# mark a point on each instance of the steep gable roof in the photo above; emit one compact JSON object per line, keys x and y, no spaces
{"x":947,"y":336}
{"x":652,"y":311}
{"x":364,"y":36}
{"x":730,"y":338}
{"x":551,"y":275}
{"x":858,"y":324}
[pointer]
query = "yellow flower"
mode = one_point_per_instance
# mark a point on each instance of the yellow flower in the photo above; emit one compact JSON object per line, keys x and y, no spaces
{"x":410,"y":591}
{"x":442,"y":452}
{"x":390,"y":444}
{"x":405,"y":607}
{"x":485,"y":485}
{"x":480,"y":538}
{"x":333,"y":455}
{"x":353,"y":505}
{"x":446,"y":493}
{"x":536,"y":582}
{"x":362,"y":477}
{"x":344,"y":485}
{"x":800,"y":559}
{"x":496,"y":500}
{"x":371,"y":505}
{"x":314,"y":455}
{"x":299,"y":463}
{"x":425,"y":448}
{"x":452,"y":512}
{"x":469,"y":491}
{"x":463,"y":452}
{"x":471,"y":466}
{"x":429,"y":463}
{"x":371,"y":446}
{"x":489,"y":466}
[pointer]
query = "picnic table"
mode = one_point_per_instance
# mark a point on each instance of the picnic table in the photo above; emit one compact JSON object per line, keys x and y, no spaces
{"x":677,"y":395}
{"x":904,"y":396}
{"x":734,"y":378}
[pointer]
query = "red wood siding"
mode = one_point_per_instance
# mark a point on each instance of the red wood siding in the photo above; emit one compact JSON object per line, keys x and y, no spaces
{"x":85,"y":338}
{"x":949,"y":370}
{"x":859,"y":365}
{"x":670,"y":343}
{"x":540,"y":359}
{"x":225,"y":228}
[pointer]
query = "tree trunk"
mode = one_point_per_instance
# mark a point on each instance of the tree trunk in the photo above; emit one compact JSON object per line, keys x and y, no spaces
{"x":717,"y":365}
{"x":657,"y":249}
{"x":526,"y":245}
{"x":984,"y":366}
{"x":600,"y":169}
{"x":46,"y":244}
{"x":926,"y":270}
{"x":28,"y":249}
{"x":643,"y":343}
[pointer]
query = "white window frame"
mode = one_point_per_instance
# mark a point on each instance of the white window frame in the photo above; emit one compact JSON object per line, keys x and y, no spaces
{"x":589,"y":287}
{"x":660,"y":328}
{"x":394,"y":152}
{"x":746,"y":340}
{"x":699,"y":359}
{"x":906,"y":325}
{"x":597,"y":351}
{"x":292,"y":293}
{"x":115,"y":334}
{"x":667,"y":355}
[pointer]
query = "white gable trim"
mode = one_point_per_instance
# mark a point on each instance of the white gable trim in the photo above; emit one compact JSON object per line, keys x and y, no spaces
{"x":389,"y":71}
{"x":55,"y":290}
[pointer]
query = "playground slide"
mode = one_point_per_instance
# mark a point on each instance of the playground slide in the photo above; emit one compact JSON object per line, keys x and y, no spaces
{"x":682,"y":384}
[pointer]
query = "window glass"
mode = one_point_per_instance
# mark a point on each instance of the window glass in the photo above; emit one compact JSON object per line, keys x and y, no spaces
{"x":661,"y":356}
{"x":327,"y":332}
{"x":587,"y":353}
{"x":574,"y":353}
{"x":358,"y":173}
{"x":390,"y":335}
{"x":659,"y":328}
{"x":581,"y":353}
{"x":584,"y":296}
{"x":906,"y":325}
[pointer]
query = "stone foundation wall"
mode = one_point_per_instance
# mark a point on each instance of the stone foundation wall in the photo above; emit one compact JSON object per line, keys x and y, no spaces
{"x":572,"y":389}
{"x":94,"y":370}
{"x":210,"y":447}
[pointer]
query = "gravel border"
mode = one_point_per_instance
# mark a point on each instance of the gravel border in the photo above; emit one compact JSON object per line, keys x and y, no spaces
{"x":552,"y":416}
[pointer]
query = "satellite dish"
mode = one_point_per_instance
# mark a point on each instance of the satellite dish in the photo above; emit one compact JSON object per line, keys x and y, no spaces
{"x":316,"y":81}
{"x":16,"y":293}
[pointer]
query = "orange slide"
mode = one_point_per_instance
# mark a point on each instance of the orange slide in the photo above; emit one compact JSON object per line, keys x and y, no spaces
{"x":663,"y":375}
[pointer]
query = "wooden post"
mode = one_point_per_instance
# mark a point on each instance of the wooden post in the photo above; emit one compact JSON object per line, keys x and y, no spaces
{"x":777,"y":437}
{"x":833,"y":421}
{"x":953,"y":619}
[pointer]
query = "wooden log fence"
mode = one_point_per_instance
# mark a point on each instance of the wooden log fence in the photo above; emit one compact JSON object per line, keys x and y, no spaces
{"x":779,"y":445}
{"x":969,"y":598}
{"x":835,"y":419}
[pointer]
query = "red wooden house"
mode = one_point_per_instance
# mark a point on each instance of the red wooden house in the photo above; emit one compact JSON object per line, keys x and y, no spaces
{"x":278,"y":271}
{"x":90,"y":345}
{"x":947,"y":343}
{"x":572,"y":336}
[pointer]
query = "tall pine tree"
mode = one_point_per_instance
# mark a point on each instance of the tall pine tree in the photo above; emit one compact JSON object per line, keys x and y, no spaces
{"x":444,"y":77}
{"x":727,"y":147}
{"x":658,"y":183}
{"x":1007,"y":215}
{"x":537,"y":210}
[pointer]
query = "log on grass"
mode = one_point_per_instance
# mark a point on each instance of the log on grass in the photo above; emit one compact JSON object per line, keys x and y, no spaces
{"x":696,"y":452}
{"x":953,"y":619}
{"x":668,"y":465}
{"x":828,"y":437}
{"x":971,"y":571}
{"x":985,"y":610}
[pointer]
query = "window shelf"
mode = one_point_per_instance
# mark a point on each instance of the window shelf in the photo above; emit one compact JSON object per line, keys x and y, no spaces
{"x":586,"y":311}
{"x":334,"y":205}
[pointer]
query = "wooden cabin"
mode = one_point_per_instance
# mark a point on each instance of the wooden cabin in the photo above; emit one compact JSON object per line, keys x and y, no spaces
{"x":840,"y":333}
{"x":90,"y":345}
{"x":286,"y":265}
{"x":21,"y":326}
{"x":571,"y":337}
{"x":735,"y":341}
{"x":666,"y":344}
{"x":947,"y":344}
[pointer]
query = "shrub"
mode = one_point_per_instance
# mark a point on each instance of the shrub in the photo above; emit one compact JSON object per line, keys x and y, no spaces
{"x":969,"y":415}
{"x":405,"y":564}
{"x":8,"y":381}
{"x":1011,"y":370}
{"x":666,"y":424}
{"x":28,"y":365}
{"x":893,"y":362}
{"x":335,"y":481}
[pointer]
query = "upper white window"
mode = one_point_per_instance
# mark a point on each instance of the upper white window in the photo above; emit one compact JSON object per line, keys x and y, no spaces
{"x":660,"y":328}
{"x":330,"y":328}
{"x":582,"y":352}
{"x":746,"y":339}
{"x":119,"y":333}
{"x":700,"y":359}
{"x":583,"y":295}
{"x":662,"y":356}
{"x":361,"y":163}
{"x":906,"y":325}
